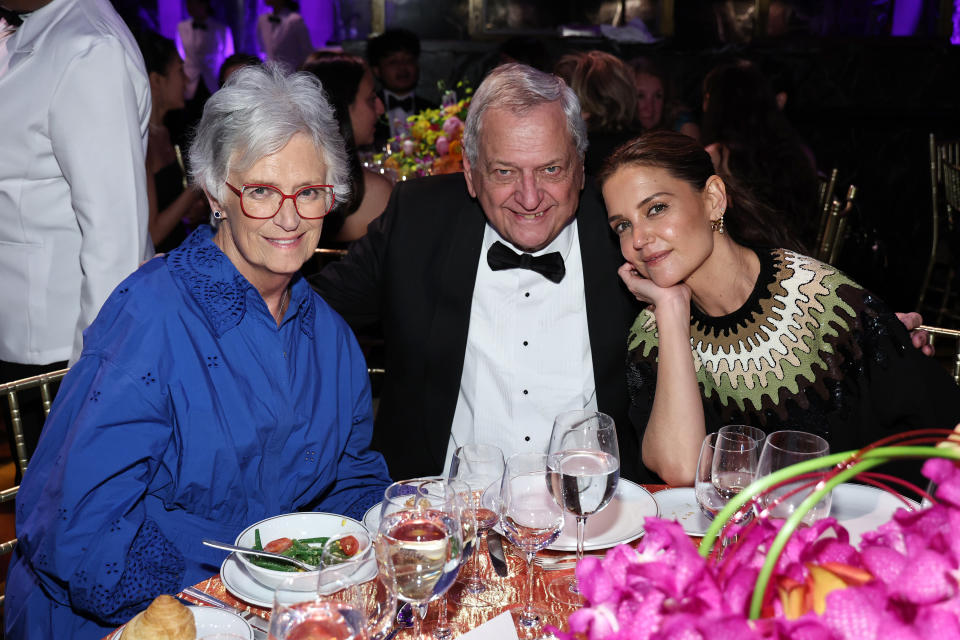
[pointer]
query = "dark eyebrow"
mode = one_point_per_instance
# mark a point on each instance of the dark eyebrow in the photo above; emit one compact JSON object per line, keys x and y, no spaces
{"x":643,"y":202}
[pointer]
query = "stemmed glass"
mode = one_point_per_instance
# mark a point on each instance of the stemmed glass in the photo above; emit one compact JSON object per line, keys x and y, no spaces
{"x":734,"y":464}
{"x":584,"y":464}
{"x":782,"y":449}
{"x":531,"y":519}
{"x":340,"y":607}
{"x":708,"y":498}
{"x":480,"y":467}
{"x":421,"y":539}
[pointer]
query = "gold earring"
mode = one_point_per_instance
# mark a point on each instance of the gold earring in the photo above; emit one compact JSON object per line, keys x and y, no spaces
{"x":717,"y":225}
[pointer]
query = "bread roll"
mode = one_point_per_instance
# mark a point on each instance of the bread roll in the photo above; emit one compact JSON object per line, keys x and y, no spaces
{"x":164,"y":619}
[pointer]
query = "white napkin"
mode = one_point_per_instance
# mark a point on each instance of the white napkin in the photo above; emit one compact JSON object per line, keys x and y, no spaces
{"x":499,"y":628}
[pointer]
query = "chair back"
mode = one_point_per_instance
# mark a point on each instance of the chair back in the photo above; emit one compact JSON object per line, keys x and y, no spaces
{"x":11,"y":391}
{"x":950,"y":333}
{"x":936,"y":289}
{"x":834,"y":217}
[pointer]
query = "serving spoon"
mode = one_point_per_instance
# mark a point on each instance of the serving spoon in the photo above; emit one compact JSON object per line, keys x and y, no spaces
{"x":257,"y":552}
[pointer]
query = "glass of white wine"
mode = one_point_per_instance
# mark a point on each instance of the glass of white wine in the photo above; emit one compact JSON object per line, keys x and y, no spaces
{"x":785,"y":448}
{"x":421,"y":540}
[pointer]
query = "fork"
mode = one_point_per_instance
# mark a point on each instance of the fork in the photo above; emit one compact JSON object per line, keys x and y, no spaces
{"x":260,"y":625}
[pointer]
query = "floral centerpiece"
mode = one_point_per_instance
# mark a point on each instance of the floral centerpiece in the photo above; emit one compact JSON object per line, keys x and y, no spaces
{"x":431,"y":143}
{"x":774,"y":581}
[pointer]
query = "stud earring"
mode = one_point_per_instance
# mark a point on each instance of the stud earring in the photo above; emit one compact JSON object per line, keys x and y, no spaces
{"x":218,"y":215}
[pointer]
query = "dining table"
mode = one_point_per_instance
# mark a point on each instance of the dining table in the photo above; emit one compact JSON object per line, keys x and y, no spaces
{"x":461,"y":618}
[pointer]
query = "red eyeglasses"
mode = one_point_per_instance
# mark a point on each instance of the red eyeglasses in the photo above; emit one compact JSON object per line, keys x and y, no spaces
{"x":262,"y":201}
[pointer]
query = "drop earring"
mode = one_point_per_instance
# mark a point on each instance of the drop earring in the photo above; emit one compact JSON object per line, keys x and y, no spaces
{"x":717,"y":225}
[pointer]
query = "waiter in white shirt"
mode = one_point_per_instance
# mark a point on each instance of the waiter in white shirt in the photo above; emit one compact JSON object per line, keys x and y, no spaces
{"x":75,"y":103}
{"x":282,"y":35}
{"x":204,"y":43}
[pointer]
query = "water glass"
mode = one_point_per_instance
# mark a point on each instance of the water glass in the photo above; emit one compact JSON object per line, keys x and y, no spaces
{"x":783,"y":449}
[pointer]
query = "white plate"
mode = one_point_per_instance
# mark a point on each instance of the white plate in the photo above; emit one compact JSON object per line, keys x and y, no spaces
{"x":680,"y":504}
{"x":621,"y":520}
{"x":241,"y":584}
{"x":210,"y":620}
{"x":861,"y":508}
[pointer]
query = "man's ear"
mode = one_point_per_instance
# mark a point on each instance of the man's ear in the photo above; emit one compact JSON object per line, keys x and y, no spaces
{"x":468,"y":176}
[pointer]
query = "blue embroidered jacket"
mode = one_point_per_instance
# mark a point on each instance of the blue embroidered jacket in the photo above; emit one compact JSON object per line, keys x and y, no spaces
{"x":189,"y":415}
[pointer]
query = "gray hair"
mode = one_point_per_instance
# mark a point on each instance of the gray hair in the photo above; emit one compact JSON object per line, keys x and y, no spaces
{"x":519,"y":88}
{"x":255,"y":114}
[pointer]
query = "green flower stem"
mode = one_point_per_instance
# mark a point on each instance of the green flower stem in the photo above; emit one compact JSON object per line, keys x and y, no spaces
{"x":867,"y":460}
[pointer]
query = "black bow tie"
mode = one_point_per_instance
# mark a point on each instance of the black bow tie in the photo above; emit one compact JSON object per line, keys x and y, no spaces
{"x":549,"y":265}
{"x":274,"y":18}
{"x":393,"y":102}
{"x":12,"y":17}
{"x":199,"y":25}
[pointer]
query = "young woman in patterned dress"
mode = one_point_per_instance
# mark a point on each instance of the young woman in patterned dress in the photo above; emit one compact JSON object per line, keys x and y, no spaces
{"x":778,"y":340}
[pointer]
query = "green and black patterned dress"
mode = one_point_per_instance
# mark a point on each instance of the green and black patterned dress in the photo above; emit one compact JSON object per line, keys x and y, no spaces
{"x":810,"y":350}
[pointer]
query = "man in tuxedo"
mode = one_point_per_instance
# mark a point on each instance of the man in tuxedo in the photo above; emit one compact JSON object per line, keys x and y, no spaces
{"x":394,"y":58}
{"x":497,"y":290}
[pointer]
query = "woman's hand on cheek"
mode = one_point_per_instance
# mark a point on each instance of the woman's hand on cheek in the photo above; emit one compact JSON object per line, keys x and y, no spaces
{"x":646,"y":290}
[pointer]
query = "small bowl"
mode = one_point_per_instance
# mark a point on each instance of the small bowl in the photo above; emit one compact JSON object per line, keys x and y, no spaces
{"x":299,"y":525}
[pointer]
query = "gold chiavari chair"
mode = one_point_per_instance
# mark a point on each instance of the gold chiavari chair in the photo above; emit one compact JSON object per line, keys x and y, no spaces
{"x":937,"y":299}
{"x":10,"y":391}
{"x":949,"y":333}
{"x":834,"y":227}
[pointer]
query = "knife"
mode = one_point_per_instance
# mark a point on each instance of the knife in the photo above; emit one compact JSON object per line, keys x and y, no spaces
{"x":260,"y":626}
{"x":497,"y":557}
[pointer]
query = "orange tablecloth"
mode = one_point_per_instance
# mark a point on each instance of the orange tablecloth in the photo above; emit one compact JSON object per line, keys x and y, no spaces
{"x":464,"y":618}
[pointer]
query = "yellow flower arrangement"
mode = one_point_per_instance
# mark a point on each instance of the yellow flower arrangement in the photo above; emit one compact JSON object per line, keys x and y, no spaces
{"x":432,"y":143}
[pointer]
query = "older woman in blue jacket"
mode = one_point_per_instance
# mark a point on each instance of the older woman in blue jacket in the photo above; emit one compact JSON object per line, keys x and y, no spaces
{"x":215,"y":388}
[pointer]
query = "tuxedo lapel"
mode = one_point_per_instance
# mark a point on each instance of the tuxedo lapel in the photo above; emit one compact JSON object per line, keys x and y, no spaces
{"x":446,"y":341}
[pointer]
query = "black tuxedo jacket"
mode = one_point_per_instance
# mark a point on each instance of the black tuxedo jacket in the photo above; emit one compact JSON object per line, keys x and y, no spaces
{"x":415,"y":272}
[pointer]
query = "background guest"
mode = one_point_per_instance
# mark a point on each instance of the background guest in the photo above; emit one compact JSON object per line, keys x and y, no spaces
{"x":604,"y":86}
{"x":282,"y":35}
{"x":234,"y":62}
{"x":215,"y":389}
{"x":204,"y":43}
{"x":779,"y":340}
{"x":73,"y":196}
{"x":658,"y":106}
{"x":394,"y":57}
{"x":174,"y":208}
{"x":751,"y":141}
{"x":350,"y":88}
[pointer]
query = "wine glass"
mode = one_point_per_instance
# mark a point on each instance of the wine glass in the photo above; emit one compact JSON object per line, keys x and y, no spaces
{"x":751,"y":432}
{"x":480,"y":466}
{"x":734,"y":464}
{"x":708,"y":498}
{"x":421,"y":539}
{"x":343,"y":606}
{"x":531,"y":519}
{"x":584,"y":464}
{"x":782,"y":449}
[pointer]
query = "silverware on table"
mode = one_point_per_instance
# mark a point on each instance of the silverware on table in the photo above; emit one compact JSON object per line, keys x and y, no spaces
{"x":497,"y":557}
{"x":255,"y":552}
{"x":404,"y":620}
{"x":260,"y":626}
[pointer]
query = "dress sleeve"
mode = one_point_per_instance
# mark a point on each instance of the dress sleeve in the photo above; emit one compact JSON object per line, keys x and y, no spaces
{"x":99,"y":145}
{"x":81,"y":516}
{"x":362,"y":473}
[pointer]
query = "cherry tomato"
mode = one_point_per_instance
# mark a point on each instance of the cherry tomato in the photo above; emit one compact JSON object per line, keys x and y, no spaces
{"x":279,"y":545}
{"x":349,"y":545}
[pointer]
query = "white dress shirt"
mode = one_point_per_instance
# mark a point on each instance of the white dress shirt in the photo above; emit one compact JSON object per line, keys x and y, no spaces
{"x":75,"y":103}
{"x":528,"y":353}
{"x":203,"y":51}
{"x":286,"y":40}
{"x":397,"y":116}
